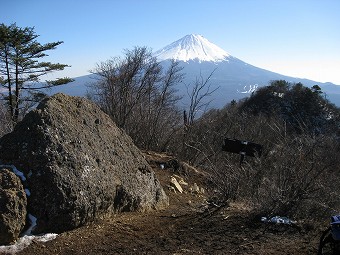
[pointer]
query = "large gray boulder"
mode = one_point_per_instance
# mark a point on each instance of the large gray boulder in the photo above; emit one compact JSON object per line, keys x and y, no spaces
{"x":12,"y":206}
{"x":79,"y":165}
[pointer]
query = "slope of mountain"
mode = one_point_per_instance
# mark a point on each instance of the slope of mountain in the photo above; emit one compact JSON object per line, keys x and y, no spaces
{"x":79,"y":87}
{"x":231,"y":77}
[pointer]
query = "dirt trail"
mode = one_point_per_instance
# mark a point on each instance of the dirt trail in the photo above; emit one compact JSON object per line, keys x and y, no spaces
{"x":185,"y":227}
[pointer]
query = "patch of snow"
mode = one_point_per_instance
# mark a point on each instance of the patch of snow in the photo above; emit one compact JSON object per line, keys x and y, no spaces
{"x":248,"y":89}
{"x":28,"y":193}
{"x":16,"y":171}
{"x":25,"y":241}
{"x":278,"y":94}
{"x":192,"y":47}
{"x":33,"y":223}
{"x":278,"y":220}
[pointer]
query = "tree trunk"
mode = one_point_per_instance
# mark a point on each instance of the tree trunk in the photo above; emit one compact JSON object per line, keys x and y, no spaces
{"x":10,"y":98}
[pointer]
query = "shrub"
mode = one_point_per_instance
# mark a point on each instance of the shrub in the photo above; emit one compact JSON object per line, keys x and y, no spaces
{"x":296,"y":176}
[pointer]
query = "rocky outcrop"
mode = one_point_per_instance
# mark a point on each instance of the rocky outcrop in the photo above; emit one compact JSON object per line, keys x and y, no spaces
{"x":78,"y":165}
{"x":12,"y":206}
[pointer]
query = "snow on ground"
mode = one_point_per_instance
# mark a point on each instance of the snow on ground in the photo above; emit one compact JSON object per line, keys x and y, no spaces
{"x":248,"y":89}
{"x":25,"y":241}
{"x":33,"y":223}
{"x":27,"y":237}
{"x":16,"y":171}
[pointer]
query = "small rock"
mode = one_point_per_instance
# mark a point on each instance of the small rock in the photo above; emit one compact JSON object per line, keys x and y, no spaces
{"x":182,"y":182}
{"x":171,"y":188}
{"x":13,"y":204}
{"x":174,"y":183}
{"x":195,"y":188}
{"x":177,"y":177}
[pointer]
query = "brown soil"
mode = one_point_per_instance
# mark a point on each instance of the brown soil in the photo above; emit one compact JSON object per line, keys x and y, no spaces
{"x":188,"y":226}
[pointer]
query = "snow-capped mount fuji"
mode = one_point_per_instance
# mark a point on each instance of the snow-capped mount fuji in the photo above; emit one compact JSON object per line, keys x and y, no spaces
{"x":232,"y":78}
{"x":192,"y":47}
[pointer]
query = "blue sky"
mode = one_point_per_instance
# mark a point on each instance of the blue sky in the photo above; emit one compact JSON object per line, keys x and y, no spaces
{"x":298,"y":38}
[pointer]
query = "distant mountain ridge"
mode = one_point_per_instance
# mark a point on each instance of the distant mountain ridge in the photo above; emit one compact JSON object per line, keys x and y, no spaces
{"x":232,"y":77}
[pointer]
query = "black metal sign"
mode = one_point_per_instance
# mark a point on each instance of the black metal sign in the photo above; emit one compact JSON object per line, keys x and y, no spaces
{"x":244,"y":148}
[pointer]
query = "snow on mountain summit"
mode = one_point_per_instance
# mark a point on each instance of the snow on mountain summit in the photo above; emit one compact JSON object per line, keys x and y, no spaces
{"x":192,"y":47}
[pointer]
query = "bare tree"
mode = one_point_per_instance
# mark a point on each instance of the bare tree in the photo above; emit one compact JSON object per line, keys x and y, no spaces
{"x":140,"y":96}
{"x":122,"y":83}
{"x":198,"y":103}
{"x":198,"y":94}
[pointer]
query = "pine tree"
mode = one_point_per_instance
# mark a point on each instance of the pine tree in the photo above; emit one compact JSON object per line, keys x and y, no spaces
{"x":20,"y":68}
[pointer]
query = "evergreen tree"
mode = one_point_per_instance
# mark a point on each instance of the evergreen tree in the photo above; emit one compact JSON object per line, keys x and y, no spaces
{"x":20,"y":68}
{"x":302,"y":108}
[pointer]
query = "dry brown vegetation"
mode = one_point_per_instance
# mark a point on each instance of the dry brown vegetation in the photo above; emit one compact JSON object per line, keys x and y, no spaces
{"x":190,"y":225}
{"x":297,"y":175}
